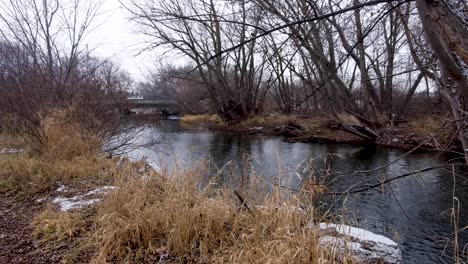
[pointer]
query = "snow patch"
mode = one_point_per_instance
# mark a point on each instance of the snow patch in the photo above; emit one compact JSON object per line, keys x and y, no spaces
{"x":67,"y":204}
{"x":359,"y":234}
{"x":40,"y":200}
{"x":63,"y":189}
{"x":10,"y":151}
{"x":154,"y":166}
{"x":363,"y":245}
{"x":101,"y":190}
{"x":80,"y":201}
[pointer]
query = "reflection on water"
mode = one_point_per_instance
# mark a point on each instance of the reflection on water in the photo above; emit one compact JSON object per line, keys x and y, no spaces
{"x":415,"y":210}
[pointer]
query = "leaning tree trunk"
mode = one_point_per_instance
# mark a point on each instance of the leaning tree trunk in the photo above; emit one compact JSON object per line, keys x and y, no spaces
{"x":447,"y":33}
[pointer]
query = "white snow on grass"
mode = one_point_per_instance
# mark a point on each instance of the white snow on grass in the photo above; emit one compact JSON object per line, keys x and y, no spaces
{"x":363,"y":245}
{"x":10,"y":151}
{"x":360,"y":234}
{"x":154,"y":166}
{"x":80,"y":201}
{"x":62,"y":189}
{"x":101,"y":190}
{"x":67,"y":204}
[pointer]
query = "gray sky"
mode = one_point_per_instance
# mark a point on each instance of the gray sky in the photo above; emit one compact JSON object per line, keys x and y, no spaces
{"x":116,"y":37}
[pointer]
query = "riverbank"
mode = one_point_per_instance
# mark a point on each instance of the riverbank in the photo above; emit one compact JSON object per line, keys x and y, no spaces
{"x":69,"y":203}
{"x":146,"y":218}
{"x":428,"y":134}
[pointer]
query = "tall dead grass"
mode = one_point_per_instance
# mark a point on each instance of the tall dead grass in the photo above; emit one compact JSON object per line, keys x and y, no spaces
{"x":53,"y":226}
{"x":428,"y":127}
{"x":197,"y":119}
{"x":67,"y":153}
{"x":152,"y":216}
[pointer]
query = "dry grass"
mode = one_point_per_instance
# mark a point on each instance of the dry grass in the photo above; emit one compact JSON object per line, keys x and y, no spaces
{"x":151,"y":215}
{"x":348,"y":119}
{"x":53,"y":226}
{"x":147,"y":216}
{"x":10,"y":141}
{"x":197,"y":119}
{"x":265,"y":121}
{"x":268,"y":121}
{"x":429,"y":126}
{"x":64,"y":138}
{"x":27,"y":175}
{"x":155,"y":215}
{"x":67,"y":154}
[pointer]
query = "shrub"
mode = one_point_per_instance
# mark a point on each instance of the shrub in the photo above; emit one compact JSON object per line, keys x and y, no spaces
{"x":66,"y":153}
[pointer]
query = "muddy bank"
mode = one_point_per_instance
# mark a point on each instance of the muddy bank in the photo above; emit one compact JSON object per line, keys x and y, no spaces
{"x":16,"y":242}
{"x":406,"y":136}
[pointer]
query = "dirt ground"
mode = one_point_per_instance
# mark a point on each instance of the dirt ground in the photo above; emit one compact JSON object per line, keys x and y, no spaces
{"x":16,"y":242}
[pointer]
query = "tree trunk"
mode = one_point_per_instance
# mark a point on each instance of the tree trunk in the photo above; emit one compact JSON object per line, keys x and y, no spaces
{"x":448,"y":35}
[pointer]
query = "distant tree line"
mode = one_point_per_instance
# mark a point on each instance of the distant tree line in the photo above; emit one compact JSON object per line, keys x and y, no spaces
{"x":372,"y":59}
{"x":45,"y":63}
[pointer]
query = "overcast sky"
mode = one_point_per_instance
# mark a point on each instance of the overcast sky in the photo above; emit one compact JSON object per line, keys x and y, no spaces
{"x":117,"y":38}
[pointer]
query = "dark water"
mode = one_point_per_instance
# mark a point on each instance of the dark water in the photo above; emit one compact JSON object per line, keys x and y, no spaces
{"x":415,"y":211}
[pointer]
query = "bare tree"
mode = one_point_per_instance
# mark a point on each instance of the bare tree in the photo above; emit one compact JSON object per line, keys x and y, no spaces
{"x":446,"y":28}
{"x":44,"y":62}
{"x":197,"y":30}
{"x":177,"y":85}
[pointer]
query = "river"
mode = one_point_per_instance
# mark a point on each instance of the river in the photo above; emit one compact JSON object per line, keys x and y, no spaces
{"x":415,"y":211}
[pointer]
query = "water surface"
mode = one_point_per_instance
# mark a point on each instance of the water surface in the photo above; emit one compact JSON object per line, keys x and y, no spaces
{"x":415,"y":211}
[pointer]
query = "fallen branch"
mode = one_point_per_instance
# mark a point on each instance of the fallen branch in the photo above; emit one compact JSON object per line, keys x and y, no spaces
{"x":243,"y":202}
{"x":361,"y":189}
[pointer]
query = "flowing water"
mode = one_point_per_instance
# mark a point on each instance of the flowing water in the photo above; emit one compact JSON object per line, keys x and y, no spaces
{"x":415,"y":211}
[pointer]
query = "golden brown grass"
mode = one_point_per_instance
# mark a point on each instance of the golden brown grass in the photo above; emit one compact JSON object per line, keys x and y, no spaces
{"x":348,"y":119}
{"x":266,"y":121}
{"x":7,"y":140}
{"x":53,"y":226}
{"x":151,"y":214}
{"x":147,"y":215}
{"x":67,"y":154}
{"x":65,"y":139}
{"x":197,"y":119}
{"x":428,"y":127}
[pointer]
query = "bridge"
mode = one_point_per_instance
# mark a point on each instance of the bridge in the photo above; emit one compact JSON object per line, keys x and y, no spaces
{"x":134,"y":105}
{"x":148,"y":103}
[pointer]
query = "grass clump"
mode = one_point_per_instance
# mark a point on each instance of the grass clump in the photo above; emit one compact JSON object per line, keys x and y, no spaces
{"x":53,"y":226}
{"x":66,"y":153}
{"x":268,"y":121}
{"x":197,"y":119}
{"x":10,"y":141}
{"x":149,"y":215}
{"x":145,"y":217}
{"x":428,"y":127}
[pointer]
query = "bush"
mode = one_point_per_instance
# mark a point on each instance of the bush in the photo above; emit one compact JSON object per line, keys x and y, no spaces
{"x":66,"y":153}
